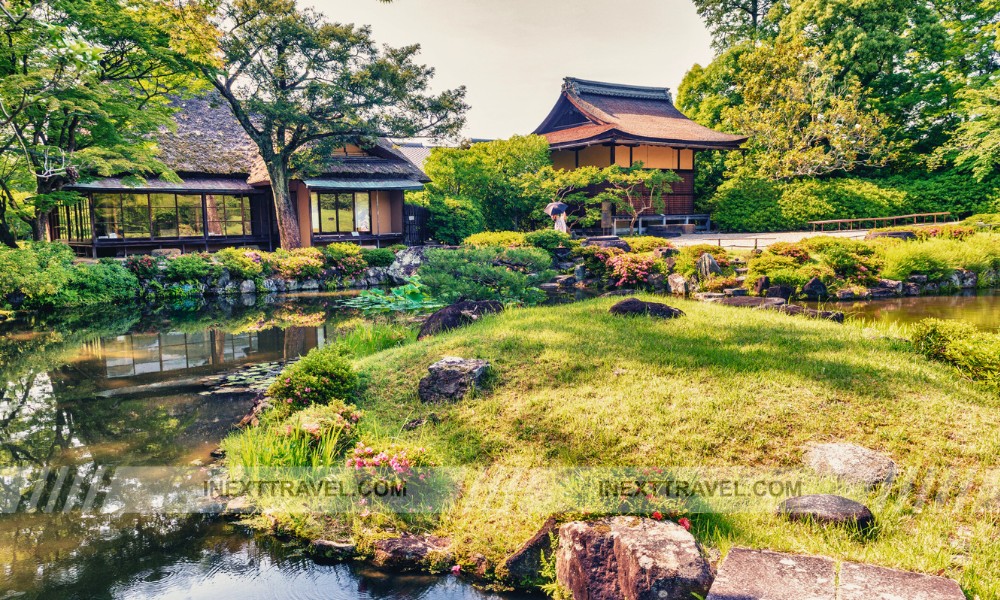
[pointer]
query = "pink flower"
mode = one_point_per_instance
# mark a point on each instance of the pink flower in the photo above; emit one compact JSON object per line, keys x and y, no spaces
{"x":683,"y":522}
{"x":456,"y":569}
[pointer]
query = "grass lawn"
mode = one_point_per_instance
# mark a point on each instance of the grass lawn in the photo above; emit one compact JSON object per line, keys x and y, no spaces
{"x":721,"y":387}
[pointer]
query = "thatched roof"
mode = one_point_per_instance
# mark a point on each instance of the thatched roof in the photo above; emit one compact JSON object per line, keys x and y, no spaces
{"x":208,"y":139}
{"x":594,"y":112}
{"x":383,"y":162}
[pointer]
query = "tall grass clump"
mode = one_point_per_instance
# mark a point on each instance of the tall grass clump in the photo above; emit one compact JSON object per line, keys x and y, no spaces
{"x":320,"y":377}
{"x":974,"y":353}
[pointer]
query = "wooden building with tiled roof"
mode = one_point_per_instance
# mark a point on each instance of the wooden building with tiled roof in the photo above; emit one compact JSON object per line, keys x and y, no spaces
{"x":602,"y":124}
{"x":224,"y":198}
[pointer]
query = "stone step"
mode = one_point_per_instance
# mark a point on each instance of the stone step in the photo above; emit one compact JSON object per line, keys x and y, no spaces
{"x":765,"y":575}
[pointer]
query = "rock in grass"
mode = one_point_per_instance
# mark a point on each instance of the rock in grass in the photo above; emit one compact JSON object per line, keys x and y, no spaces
{"x":332,"y":550}
{"x":851,"y":463}
{"x":634,"y":306}
{"x":760,"y":286}
{"x":764,"y":575}
{"x":458,"y":315}
{"x":678,"y":285}
{"x":750,"y":302}
{"x":631,"y":557}
{"x":451,"y":378}
{"x":828,"y":509}
{"x":412,"y":552}
{"x":795,"y":309}
{"x":814,"y":289}
{"x":865,"y":582}
{"x":524,"y":567}
{"x":707,"y":266}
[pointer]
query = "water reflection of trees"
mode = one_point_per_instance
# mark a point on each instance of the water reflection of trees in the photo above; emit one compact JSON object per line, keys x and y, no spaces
{"x":58,"y":407}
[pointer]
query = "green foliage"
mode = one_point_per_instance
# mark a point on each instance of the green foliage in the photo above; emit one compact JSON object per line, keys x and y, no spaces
{"x":504,"y":239}
{"x":378,"y":257}
{"x":736,"y":21}
{"x":345,"y":260}
{"x":903,"y":260}
{"x":371,"y":337}
{"x":242,"y":263}
{"x":634,"y":269}
{"x":38,"y":270}
{"x":303,"y":263}
{"x":505,"y":274}
{"x":334,"y":420}
{"x":809,"y":200}
{"x":488,"y":175}
{"x":974,"y":353}
{"x":569,"y":186}
{"x":852,"y":261}
{"x":635,"y":190}
{"x":646,"y":243}
{"x":549,"y":240}
{"x":798,"y":254}
{"x":744,"y":204}
{"x":451,"y":220}
{"x":319,"y":377}
{"x":411,"y":296}
{"x":106,"y":282}
{"x":188,"y":268}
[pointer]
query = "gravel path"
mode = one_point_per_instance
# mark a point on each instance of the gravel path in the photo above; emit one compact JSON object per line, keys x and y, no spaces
{"x":760,"y":240}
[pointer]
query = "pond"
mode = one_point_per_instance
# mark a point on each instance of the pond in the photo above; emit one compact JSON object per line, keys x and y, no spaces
{"x":982,"y":309}
{"x":127,"y":387}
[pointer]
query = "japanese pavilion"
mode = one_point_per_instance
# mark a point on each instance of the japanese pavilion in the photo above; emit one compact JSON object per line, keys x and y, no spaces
{"x":224,"y":199}
{"x":602,"y":124}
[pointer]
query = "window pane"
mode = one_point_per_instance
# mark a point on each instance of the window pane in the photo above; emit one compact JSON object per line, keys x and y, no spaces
{"x":345,"y":213}
{"x":216,"y":210}
{"x":362,"y":212}
{"x":314,"y":211}
{"x":189,"y":219}
{"x":164,"y":215}
{"x":234,"y":228}
{"x":107,"y":211}
{"x":85,"y":233}
{"x":328,"y":213}
{"x":136,"y":215}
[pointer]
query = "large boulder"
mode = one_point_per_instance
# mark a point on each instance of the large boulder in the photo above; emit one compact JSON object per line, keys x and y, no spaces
{"x":867,"y":582}
{"x":892,"y":285}
{"x":780,"y":291}
{"x":827,"y":509}
{"x":761,"y":285}
{"x":457,"y":315}
{"x":814,"y":289}
{"x":607,"y":241}
{"x":964,"y":279}
{"x":678,"y":285}
{"x":631,"y":558}
{"x":634,"y":306}
{"x":707,"y":266}
{"x":412,"y":552}
{"x":451,"y":378}
{"x":749,"y":301}
{"x":795,"y":309}
{"x":406,"y":264}
{"x":851,"y":463}
{"x":523,"y":568}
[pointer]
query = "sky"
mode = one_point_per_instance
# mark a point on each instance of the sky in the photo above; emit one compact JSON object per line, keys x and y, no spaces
{"x":513,"y":54}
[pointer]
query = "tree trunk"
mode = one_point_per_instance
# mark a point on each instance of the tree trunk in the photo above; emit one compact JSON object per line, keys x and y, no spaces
{"x":284,"y":208}
{"x":40,"y":227}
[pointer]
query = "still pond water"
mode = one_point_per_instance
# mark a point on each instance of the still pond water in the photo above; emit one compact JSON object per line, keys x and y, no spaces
{"x":125,"y":387}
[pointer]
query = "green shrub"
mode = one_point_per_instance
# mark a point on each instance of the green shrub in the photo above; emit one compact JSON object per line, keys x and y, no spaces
{"x":242,"y":263}
{"x":322,"y":375}
{"x":299,"y":264}
{"x":334,"y":420}
{"x":797,"y":253}
{"x":903,"y":260}
{"x":847,"y":198}
{"x":634,"y":269}
{"x":505,"y":274}
{"x":747,"y":205}
{"x":646,"y":243}
{"x":769,"y":264}
{"x":854,"y":262}
{"x":37,"y":270}
{"x":549,"y":240}
{"x":503,"y":239}
{"x":106,"y":282}
{"x":188,"y":268}
{"x":989,"y":220}
{"x":143,"y":266}
{"x":717,"y":284}
{"x":949,"y":191}
{"x":378,"y":257}
{"x":451,"y":220}
{"x":974,"y":353}
{"x":687,"y":258}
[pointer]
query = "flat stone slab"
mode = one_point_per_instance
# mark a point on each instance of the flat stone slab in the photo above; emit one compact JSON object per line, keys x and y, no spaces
{"x":851,"y":463}
{"x":764,"y":575}
{"x":827,"y":509}
{"x":868,"y":582}
{"x":750,"y":302}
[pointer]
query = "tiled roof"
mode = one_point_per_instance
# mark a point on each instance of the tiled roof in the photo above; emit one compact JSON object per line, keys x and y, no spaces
{"x":623,"y":112}
{"x":415,"y":154}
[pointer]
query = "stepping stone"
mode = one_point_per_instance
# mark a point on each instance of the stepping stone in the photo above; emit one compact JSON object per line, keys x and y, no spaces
{"x":868,"y":582}
{"x":764,"y":575}
{"x":827,"y":509}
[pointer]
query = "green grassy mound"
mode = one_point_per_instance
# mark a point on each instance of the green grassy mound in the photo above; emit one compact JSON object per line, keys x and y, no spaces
{"x":576,"y":386}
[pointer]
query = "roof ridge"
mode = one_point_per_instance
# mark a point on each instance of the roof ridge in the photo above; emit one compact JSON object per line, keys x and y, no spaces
{"x":578,"y":86}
